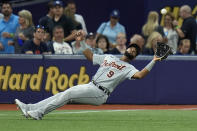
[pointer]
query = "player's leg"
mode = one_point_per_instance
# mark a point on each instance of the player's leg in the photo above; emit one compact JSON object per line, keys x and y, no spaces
{"x":23,"y":107}
{"x":91,"y":95}
{"x":43,"y":102}
{"x":88,"y":94}
{"x":28,"y":107}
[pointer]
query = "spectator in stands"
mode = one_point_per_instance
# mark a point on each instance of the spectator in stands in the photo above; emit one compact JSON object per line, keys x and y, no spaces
{"x":139,"y":40}
{"x":169,"y":32}
{"x":90,"y":40}
{"x":120,"y":44}
{"x":8,"y":26}
{"x":68,"y":12}
{"x":188,"y":29}
{"x":150,"y":46}
{"x":24,"y":32}
{"x":184,"y":47}
{"x":102,"y":42}
{"x":36,"y":46}
{"x":196,"y":34}
{"x":79,"y":45}
{"x":47,"y":37}
{"x":152,"y":24}
{"x":1,"y":15}
{"x":112,"y":27}
{"x":47,"y":21}
{"x":64,"y":21}
{"x":58,"y":46}
{"x":94,"y":45}
{"x":79,"y":18}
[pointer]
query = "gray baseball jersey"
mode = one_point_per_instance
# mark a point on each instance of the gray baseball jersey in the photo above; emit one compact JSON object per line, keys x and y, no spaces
{"x":112,"y":71}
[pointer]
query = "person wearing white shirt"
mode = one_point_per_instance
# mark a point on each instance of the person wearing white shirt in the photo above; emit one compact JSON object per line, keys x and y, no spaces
{"x":79,"y":18}
{"x":58,"y":46}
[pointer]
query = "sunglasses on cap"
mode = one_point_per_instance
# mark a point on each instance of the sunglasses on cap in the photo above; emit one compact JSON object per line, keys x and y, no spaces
{"x":40,"y":26}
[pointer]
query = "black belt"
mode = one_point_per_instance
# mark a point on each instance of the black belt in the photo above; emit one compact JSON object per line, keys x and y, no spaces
{"x":105,"y":90}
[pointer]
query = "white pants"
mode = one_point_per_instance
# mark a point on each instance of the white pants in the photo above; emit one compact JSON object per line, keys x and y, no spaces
{"x":84,"y":94}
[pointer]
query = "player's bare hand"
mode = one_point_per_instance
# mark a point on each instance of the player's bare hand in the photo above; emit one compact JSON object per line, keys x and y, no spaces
{"x":155,"y":58}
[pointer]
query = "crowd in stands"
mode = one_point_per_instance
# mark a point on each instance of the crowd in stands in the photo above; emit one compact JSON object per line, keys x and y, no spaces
{"x":62,"y":31}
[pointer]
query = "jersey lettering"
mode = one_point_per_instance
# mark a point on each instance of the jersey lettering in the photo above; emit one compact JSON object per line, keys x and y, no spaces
{"x":113,"y":64}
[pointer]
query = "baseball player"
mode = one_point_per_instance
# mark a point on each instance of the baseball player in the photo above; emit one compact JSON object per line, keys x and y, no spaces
{"x":111,"y":72}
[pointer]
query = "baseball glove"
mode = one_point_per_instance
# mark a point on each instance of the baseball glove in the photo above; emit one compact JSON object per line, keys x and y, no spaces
{"x":162,"y":51}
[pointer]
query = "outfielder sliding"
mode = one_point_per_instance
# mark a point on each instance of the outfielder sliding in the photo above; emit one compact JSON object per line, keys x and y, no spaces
{"x":111,"y":72}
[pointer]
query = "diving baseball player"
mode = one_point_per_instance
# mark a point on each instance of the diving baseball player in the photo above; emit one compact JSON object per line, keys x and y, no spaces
{"x":111,"y":72}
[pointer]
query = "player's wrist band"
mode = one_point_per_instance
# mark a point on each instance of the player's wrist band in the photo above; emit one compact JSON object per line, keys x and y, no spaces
{"x":150,"y":65}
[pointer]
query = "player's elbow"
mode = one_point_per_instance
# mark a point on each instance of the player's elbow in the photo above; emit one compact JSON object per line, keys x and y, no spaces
{"x":88,"y":54}
{"x":138,"y":75}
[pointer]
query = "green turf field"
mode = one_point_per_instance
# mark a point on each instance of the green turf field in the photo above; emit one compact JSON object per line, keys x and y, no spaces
{"x":106,"y":120}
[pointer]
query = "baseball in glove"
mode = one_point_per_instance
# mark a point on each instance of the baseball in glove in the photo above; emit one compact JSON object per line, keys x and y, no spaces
{"x":163,"y":50}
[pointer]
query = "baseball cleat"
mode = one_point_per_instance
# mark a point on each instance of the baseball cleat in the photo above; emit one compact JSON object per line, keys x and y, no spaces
{"x":23,"y":107}
{"x":35,"y":115}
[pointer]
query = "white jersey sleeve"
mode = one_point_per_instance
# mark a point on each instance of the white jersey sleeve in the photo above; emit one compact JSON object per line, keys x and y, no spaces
{"x":98,"y":59}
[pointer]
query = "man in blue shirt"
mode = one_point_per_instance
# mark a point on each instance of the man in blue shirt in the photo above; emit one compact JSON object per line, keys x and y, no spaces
{"x":112,"y":28}
{"x":8,"y":27}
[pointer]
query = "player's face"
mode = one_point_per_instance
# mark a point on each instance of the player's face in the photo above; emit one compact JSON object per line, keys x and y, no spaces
{"x":131,"y":53}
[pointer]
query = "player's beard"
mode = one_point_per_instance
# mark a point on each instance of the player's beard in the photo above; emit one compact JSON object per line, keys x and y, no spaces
{"x":129,"y":56}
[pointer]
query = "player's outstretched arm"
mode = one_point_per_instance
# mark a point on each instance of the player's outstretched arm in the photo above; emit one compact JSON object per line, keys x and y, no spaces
{"x":79,"y":36}
{"x":141,"y":74}
{"x":88,"y":54}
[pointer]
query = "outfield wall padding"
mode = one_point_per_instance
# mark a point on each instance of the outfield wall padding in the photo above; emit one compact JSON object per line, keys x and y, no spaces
{"x":32,"y":78}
